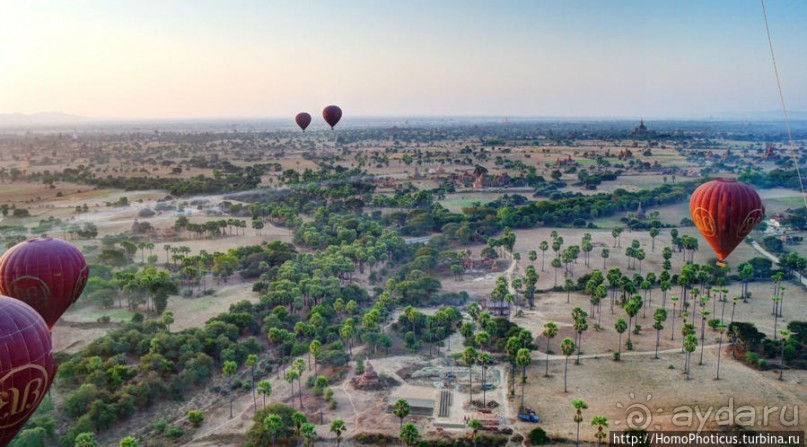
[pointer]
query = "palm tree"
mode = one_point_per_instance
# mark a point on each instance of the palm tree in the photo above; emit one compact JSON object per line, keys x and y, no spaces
{"x":410,"y":434}
{"x":523,"y":359}
{"x":320,"y":384}
{"x":721,"y":328}
{"x":265,"y":389}
{"x":469,"y":356}
{"x":252,"y":362}
{"x":690,"y":345}
{"x":580,"y":326}
{"x":605,"y":253}
{"x":315,"y":350}
{"x":337,"y":427}
{"x":556,"y":264}
{"x":291,"y":376}
{"x":660,"y":316}
{"x":786,"y":334}
{"x":401,"y":409}
{"x":543,"y":246}
{"x":674,"y":300}
{"x":600,"y":422}
{"x":475,"y":425}
{"x":228,"y":370}
{"x":273,"y":424}
{"x":578,"y":405}
{"x":299,"y":366}
{"x":128,"y":442}
{"x":632,"y":309}
{"x":567,"y":347}
{"x":298,"y":419}
{"x":309,"y":434}
{"x":168,"y":319}
{"x":484,"y":359}
{"x":550,"y":331}
{"x":621,"y":326}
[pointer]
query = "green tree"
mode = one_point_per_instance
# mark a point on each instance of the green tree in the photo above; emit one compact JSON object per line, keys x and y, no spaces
{"x":309,"y":434}
{"x":86,"y":439}
{"x":298,"y":418}
{"x":567,"y":347}
{"x":401,"y":409}
{"x":621,"y":326}
{"x":265,"y":390}
{"x":690,"y":345}
{"x":128,"y":442}
{"x":320,"y":385}
{"x":469,"y":357}
{"x":550,"y":331}
{"x":601,"y":422}
{"x":228,"y":371}
{"x":251,"y":363}
{"x":475,"y":425}
{"x":410,"y":434}
{"x":659,"y":317}
{"x":523,"y":360}
{"x":579,"y":405}
{"x":168,"y":319}
{"x":274,"y":425}
{"x":196,"y":417}
{"x":338,"y":427}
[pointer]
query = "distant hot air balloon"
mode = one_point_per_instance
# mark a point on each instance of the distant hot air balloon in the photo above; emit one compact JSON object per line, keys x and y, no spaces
{"x":26,"y":365}
{"x":303,"y":120}
{"x":332,"y":115}
{"x":48,"y":274}
{"x":725,"y":211}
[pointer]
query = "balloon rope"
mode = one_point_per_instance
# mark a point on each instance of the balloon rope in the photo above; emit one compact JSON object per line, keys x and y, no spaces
{"x":782,"y":102}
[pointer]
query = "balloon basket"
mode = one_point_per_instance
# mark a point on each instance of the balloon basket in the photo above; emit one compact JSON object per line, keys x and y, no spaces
{"x":721,"y":264}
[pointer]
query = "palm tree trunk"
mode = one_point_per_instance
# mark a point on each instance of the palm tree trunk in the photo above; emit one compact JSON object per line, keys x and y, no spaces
{"x":547,"y":358}
{"x":658,"y":335}
{"x":565,"y":370}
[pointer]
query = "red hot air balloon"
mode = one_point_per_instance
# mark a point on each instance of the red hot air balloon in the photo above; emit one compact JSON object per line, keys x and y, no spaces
{"x":725,"y":211}
{"x":48,"y":274}
{"x":26,"y":365}
{"x":332,"y":115}
{"x":303,"y":120}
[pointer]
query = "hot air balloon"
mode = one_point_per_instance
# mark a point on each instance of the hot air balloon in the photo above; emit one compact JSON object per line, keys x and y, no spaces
{"x":26,"y":365}
{"x":725,"y":211}
{"x":303,"y":120}
{"x":332,"y":115}
{"x":48,"y":274}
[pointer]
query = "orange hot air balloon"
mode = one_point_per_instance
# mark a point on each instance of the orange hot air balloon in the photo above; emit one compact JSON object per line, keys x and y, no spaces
{"x":332,"y":115}
{"x":303,"y":120}
{"x":47,"y":274}
{"x":725,"y":211}
{"x":26,"y":365}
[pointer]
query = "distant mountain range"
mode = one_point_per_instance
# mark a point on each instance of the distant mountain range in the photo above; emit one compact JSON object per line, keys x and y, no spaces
{"x":22,"y":119}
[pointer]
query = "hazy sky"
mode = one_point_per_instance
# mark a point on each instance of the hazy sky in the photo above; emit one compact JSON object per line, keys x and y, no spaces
{"x":264,"y":58}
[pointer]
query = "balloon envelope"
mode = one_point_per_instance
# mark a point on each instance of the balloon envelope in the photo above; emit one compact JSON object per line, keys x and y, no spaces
{"x":26,"y":365}
{"x":303,"y":120}
{"x":48,"y":274}
{"x":725,"y":211}
{"x":332,"y":115}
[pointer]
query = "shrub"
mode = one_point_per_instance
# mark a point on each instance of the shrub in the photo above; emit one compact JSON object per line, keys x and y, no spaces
{"x":175,"y":432}
{"x":538,"y":436}
{"x":196,"y":417}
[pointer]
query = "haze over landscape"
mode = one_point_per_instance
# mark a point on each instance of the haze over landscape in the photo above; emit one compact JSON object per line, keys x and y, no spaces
{"x":434,"y":223}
